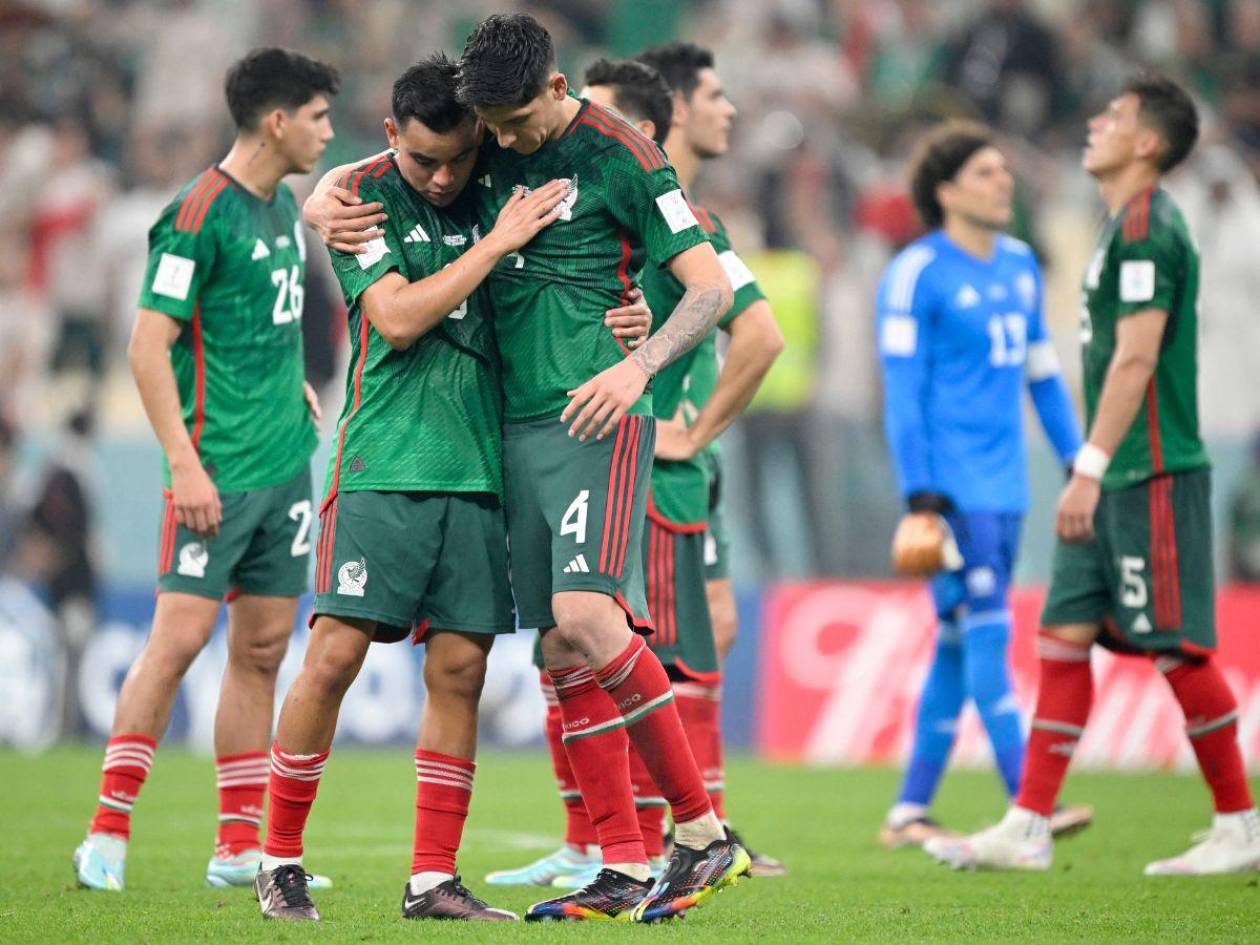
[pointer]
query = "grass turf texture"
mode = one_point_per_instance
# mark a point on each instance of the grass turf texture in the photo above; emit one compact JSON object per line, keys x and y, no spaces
{"x":822,"y":823}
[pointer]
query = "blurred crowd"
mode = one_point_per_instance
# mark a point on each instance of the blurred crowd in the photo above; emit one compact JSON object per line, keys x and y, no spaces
{"x":108,"y":106}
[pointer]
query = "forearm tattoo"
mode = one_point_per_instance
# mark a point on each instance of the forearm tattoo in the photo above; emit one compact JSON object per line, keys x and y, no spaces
{"x":693,"y":318}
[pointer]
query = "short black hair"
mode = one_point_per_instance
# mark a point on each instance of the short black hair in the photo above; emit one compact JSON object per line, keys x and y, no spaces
{"x":1166,"y":108}
{"x":507,"y":61}
{"x":938,"y":159}
{"x":271,"y":77}
{"x":679,"y":64}
{"x":639,"y":92}
{"x":426,"y":92}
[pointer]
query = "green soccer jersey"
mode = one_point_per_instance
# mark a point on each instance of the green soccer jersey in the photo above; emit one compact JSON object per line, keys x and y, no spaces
{"x":680,"y":490}
{"x":624,"y":211}
{"x":1146,"y":259}
{"x":428,"y":418}
{"x":230,"y":266}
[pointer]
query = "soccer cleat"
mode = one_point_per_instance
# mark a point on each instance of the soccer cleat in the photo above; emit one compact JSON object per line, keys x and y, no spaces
{"x":1019,"y":841}
{"x":1231,"y":846}
{"x":100,"y":862}
{"x":912,"y":833}
{"x":656,"y":864}
{"x":1067,"y":821}
{"x":282,"y":894}
{"x":450,"y":900}
{"x":762,"y":865}
{"x":610,"y":898}
{"x":691,"y":877}
{"x":565,"y":862}
{"x":241,"y":869}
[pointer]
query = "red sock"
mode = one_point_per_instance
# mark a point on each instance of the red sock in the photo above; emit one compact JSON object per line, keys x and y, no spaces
{"x":578,"y":830}
{"x":443,"y":787}
{"x":1064,"y":696}
{"x":649,"y":807}
{"x":128,"y":759}
{"x":700,"y":708}
{"x":595,"y":741}
{"x":291,"y":792}
{"x":242,"y":783}
{"x":639,"y":687}
{"x":1212,"y":723}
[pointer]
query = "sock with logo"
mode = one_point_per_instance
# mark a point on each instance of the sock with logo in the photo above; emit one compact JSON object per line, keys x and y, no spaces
{"x":641,"y":691}
{"x":595,"y":741}
{"x":242,"y":781}
{"x":579,"y":833}
{"x":1211,"y":713}
{"x":128,"y":759}
{"x":1064,"y":697}
{"x":986,"y":641}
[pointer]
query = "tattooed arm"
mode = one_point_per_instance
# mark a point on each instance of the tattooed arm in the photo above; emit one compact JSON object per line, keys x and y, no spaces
{"x":605,"y":398}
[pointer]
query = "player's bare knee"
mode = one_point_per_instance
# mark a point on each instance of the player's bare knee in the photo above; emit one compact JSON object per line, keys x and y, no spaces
{"x":262,"y":653}
{"x":460,"y":677}
{"x":583,"y":618}
{"x":333,"y":657}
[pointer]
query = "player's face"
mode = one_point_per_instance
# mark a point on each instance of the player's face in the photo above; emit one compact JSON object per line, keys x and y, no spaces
{"x":304,"y":133}
{"x":1116,"y":137}
{"x":526,"y":128}
{"x":707,"y":117}
{"x":981,"y":191}
{"x":436,"y":165}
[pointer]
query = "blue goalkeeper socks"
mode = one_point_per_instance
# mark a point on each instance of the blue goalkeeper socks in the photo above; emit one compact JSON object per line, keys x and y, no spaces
{"x":986,"y":637}
{"x":937,"y":721}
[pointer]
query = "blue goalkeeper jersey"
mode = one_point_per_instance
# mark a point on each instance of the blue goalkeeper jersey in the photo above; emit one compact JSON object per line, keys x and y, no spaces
{"x":959,"y":337}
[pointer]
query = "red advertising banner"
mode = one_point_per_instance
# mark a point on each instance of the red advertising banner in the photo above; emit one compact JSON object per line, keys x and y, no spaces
{"x":843,"y":663}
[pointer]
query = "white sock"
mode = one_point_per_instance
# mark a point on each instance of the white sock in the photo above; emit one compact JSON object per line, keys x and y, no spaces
{"x":904,"y":812}
{"x":699,"y":833}
{"x":637,"y":871}
{"x":424,"y":881}
{"x":269,"y":863}
{"x":1033,"y":825}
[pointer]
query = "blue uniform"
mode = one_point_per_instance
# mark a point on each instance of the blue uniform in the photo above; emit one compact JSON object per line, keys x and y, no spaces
{"x":959,"y":338}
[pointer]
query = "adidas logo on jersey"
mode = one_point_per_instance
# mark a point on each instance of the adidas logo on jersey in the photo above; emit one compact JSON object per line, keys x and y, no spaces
{"x":484,"y":181}
{"x":577,"y":566}
{"x":260,"y":251}
{"x":967,"y":297}
{"x":417,"y":235}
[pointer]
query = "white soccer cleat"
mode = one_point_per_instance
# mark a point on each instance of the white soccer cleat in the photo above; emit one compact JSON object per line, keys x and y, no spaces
{"x":1019,"y":841}
{"x":1231,"y":846}
{"x":564,"y":863}
{"x":240,"y":870}
{"x":100,"y":862}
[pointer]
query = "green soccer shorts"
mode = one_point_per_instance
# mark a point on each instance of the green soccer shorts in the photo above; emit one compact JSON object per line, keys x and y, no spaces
{"x":412,"y":561}
{"x":263,"y":546}
{"x":575,"y":514}
{"x":1146,"y":575}
{"x":717,"y":541}
{"x":673,"y":560}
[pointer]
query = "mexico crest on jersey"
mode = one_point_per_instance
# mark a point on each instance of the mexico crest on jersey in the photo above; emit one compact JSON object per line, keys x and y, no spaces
{"x":352,"y":578}
{"x":193,"y":558}
{"x":565,"y":210}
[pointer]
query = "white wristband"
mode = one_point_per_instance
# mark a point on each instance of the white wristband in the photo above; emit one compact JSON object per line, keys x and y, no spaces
{"x":1091,"y":462}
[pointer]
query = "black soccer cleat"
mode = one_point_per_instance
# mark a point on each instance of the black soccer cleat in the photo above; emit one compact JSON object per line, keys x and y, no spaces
{"x":282,"y":894}
{"x":762,"y":865}
{"x":610,"y":897}
{"x":691,"y":877}
{"x":451,"y":900}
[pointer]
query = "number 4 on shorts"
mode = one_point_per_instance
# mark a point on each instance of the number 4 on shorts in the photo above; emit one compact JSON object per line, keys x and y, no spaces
{"x":574,"y":521}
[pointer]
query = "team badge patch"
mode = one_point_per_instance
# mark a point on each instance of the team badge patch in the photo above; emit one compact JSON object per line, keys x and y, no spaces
{"x":676,"y":211}
{"x":1137,"y":280}
{"x":174,"y":276}
{"x":193,"y":558}
{"x":352,"y":578}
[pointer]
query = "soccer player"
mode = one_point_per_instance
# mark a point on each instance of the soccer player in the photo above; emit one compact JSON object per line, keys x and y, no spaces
{"x":575,"y":448}
{"x":1133,"y":563}
{"x":961,"y":331}
{"x":216,"y":351}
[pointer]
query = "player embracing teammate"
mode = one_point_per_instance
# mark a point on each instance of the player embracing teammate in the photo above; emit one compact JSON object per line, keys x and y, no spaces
{"x":1133,"y":564}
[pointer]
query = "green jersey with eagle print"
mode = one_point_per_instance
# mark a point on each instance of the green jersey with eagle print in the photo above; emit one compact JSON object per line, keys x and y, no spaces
{"x":624,"y":211}
{"x":230,"y":266}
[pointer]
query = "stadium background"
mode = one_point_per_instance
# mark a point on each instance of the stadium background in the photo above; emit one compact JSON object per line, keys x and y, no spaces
{"x":107,"y":107}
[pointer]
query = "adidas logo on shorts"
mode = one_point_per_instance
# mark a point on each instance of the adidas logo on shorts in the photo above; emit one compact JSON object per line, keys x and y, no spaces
{"x":577,"y":566}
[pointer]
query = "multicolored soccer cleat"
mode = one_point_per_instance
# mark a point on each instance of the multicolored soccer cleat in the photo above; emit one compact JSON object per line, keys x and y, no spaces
{"x":282,"y":894}
{"x":451,"y":900}
{"x":100,"y":862}
{"x":691,"y":877}
{"x":240,"y":870}
{"x":656,"y":866}
{"x":610,"y":898}
{"x":563,"y":863}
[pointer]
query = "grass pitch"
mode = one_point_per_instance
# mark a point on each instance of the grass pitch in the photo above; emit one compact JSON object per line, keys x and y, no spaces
{"x":822,"y":823}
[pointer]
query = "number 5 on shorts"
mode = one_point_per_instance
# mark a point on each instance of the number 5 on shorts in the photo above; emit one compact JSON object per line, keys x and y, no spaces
{"x":574,"y":521}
